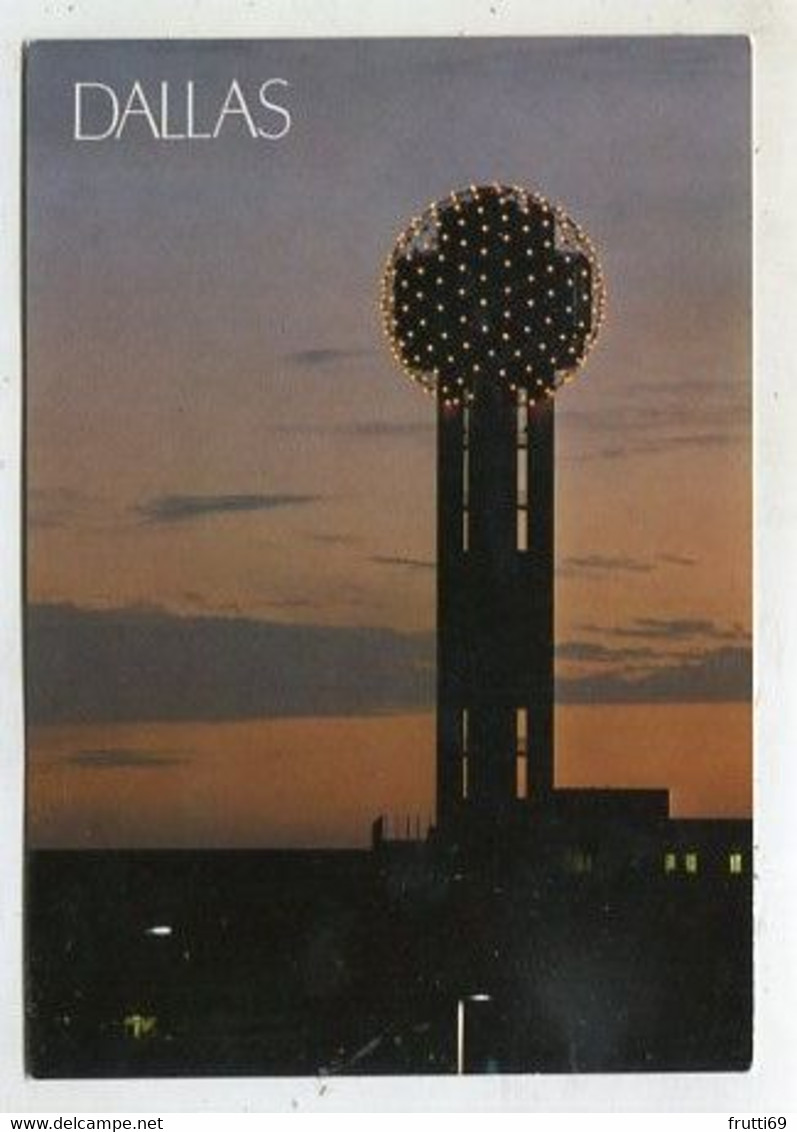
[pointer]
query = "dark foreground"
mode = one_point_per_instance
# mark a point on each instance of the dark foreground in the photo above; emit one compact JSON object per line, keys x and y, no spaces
{"x":257,"y":963}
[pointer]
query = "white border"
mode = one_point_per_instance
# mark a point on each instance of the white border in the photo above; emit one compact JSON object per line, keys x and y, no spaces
{"x":770,"y":1086}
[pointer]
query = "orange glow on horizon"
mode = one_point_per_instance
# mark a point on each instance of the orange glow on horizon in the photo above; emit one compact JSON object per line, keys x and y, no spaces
{"x":321,"y":782}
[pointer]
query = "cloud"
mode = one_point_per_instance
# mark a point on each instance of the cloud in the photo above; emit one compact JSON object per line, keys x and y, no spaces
{"x":666,"y":444}
{"x":124,"y":665}
{"x":599,"y":565}
{"x":717,"y":675}
{"x":665,"y":416}
{"x":364,"y":429}
{"x":391,"y":428}
{"x":123,"y":758}
{"x":667,"y":629}
{"x":323,"y":357}
{"x":677,"y":560}
{"x":411,"y":563}
{"x":332,"y":539}
{"x":678,"y":629}
{"x":289,"y":603}
{"x":179,"y":508}
{"x":605,"y":564}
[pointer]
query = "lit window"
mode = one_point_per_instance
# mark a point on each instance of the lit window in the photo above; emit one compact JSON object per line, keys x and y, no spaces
{"x":670,"y":863}
{"x":522,"y":529}
{"x":521,"y":777}
{"x":735,"y":863}
{"x":690,"y":862}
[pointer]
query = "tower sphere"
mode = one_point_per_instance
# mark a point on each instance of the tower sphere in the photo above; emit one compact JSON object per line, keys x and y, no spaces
{"x":492,"y":283}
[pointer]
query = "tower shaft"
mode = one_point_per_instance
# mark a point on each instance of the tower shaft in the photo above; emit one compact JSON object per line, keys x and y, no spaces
{"x":495,"y":605}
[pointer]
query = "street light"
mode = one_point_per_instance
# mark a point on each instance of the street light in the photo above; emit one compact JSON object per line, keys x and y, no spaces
{"x":479,"y":997}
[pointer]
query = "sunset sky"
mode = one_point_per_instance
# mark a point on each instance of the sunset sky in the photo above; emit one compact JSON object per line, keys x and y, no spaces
{"x":231,"y":486}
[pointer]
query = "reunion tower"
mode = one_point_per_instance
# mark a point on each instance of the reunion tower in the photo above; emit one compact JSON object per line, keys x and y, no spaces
{"x":492,"y":299}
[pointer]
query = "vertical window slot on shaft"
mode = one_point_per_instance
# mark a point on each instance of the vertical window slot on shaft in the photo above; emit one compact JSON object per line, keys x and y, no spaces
{"x":465,"y":475}
{"x":521,"y":480}
{"x":521,"y":753}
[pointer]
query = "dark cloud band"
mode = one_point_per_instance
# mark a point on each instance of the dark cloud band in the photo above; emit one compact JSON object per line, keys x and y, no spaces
{"x":126,"y":665}
{"x":123,"y":758}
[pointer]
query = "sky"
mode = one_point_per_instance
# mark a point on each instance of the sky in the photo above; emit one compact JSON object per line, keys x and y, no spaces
{"x":230,"y":485}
